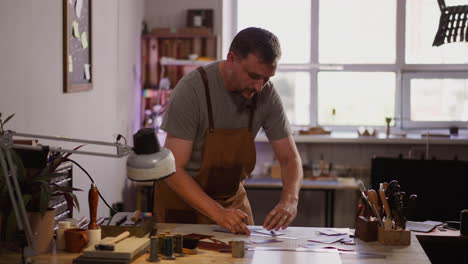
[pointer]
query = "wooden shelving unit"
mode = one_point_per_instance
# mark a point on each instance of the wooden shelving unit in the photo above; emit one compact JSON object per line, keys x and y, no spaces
{"x":165,"y":55}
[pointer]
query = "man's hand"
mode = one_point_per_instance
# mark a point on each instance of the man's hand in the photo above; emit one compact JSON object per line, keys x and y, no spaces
{"x":234,"y":220}
{"x":281,"y":216}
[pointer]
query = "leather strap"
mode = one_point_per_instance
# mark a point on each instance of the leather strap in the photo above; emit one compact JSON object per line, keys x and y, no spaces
{"x":208,"y":98}
{"x":208,"y":102}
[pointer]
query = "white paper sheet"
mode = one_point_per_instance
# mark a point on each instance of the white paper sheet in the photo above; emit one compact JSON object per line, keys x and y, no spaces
{"x":76,"y":30}
{"x":84,"y":40}
{"x":78,"y":6}
{"x":87,"y":70}
{"x":334,"y":231}
{"x":272,"y":233}
{"x":329,"y":239}
{"x":281,"y":257}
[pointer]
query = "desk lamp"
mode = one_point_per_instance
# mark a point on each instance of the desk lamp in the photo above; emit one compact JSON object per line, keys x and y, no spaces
{"x":147,"y":161}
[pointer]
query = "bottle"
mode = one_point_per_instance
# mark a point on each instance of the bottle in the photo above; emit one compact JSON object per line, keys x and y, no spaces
{"x":60,"y":240}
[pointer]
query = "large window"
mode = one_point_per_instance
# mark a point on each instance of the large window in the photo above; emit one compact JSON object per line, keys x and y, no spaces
{"x":356,"y":62}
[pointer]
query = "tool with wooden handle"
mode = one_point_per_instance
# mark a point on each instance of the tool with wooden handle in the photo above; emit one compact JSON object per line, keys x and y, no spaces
{"x":374,"y":204}
{"x":93,"y":197}
{"x":374,"y":199}
{"x":388,"y":216}
{"x":368,"y":208}
{"x":110,"y":245}
{"x":383,"y":185}
{"x":136,"y":216}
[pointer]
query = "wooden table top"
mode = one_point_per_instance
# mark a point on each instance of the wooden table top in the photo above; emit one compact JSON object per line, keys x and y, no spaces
{"x":413,"y":254}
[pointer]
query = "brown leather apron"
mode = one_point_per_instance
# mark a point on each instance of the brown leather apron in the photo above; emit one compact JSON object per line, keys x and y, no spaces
{"x":228,"y":158}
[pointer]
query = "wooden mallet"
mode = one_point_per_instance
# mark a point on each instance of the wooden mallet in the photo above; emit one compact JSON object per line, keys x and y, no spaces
{"x":110,"y":245}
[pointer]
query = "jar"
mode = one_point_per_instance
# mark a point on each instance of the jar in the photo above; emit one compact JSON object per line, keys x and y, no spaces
{"x":60,"y":239}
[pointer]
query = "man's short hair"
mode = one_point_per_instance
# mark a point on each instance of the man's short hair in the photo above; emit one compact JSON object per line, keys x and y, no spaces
{"x":258,"y":41}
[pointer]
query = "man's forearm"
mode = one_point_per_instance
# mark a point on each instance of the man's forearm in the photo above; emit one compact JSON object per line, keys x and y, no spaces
{"x":189,"y":190}
{"x":291,"y":175}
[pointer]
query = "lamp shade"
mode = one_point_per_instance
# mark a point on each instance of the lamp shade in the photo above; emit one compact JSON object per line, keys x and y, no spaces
{"x":149,"y":161}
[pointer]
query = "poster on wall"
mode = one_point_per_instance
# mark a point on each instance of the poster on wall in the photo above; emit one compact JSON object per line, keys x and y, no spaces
{"x":77,"y":54}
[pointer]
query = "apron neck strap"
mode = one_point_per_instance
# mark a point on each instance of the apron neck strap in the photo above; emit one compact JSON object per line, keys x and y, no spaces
{"x":208,"y":98}
{"x":208,"y":102}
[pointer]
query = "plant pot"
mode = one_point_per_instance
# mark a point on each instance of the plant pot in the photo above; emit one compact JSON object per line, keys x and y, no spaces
{"x":42,"y":227}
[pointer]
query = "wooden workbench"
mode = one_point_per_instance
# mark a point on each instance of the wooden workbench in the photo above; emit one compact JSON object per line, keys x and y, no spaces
{"x":413,"y":254}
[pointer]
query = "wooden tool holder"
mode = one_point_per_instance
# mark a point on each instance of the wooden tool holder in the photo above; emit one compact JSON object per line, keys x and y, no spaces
{"x":140,"y":229}
{"x":366,"y":229}
{"x":394,"y":237}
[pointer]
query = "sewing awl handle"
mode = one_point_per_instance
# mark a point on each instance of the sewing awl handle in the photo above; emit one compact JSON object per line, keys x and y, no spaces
{"x":93,"y":197}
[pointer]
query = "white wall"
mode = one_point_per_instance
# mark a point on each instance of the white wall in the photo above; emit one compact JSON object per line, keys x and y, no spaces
{"x":31,"y":83}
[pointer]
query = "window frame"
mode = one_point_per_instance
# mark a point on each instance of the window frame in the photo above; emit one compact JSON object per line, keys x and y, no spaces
{"x":406,"y":111}
{"x":404,"y":72}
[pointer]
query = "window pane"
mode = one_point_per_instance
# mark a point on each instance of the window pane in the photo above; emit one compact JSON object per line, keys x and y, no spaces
{"x":357,"y":31}
{"x":288,"y":20}
{"x":294,"y":89}
{"x":439,"y":99}
{"x":422,"y":22}
{"x":358,"y":98}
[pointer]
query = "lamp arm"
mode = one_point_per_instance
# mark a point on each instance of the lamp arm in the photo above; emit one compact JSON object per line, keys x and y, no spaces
{"x":9,"y":170}
{"x":122,"y":150}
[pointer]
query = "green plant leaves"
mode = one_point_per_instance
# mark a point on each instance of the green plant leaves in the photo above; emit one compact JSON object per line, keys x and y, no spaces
{"x":72,"y":200}
{"x":44,"y":198}
{"x":19,"y":166}
{"x":4,"y":122}
{"x":45,"y":176}
{"x":36,"y":187}
{"x":8,"y":119}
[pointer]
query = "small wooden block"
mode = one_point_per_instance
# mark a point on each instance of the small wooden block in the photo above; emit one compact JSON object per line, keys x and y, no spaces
{"x":128,"y":249}
{"x":394,"y":237}
{"x":366,"y":229}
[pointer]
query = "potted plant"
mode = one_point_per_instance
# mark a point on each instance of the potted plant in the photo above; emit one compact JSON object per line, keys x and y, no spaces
{"x":36,"y":170}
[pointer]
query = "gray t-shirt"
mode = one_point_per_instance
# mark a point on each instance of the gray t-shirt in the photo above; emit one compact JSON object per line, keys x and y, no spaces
{"x":187,"y":114}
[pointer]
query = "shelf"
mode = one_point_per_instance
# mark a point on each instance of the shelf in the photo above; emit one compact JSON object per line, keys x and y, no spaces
{"x":164,"y":57}
{"x":180,"y":35}
{"x":168,"y":61}
{"x":353,"y":138}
